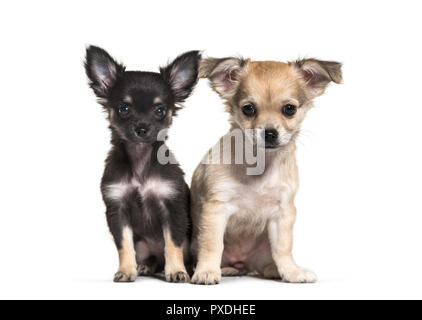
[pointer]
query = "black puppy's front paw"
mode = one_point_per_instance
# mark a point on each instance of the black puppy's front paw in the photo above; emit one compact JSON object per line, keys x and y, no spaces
{"x":121,"y":276}
{"x":178,"y":277}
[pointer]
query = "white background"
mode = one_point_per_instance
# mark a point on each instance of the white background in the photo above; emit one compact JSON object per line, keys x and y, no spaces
{"x":359,"y":221}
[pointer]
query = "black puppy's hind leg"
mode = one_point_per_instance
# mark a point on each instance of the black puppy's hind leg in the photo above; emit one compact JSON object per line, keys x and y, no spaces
{"x":147,"y":267}
{"x":123,"y":237}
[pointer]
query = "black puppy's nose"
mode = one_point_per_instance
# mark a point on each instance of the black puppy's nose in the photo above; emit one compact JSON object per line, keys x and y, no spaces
{"x":141,"y":131}
{"x":271,"y":136}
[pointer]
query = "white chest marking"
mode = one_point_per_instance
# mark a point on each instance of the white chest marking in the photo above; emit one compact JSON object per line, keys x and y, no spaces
{"x":117,"y":191}
{"x":158,"y":188}
{"x":153,"y":187}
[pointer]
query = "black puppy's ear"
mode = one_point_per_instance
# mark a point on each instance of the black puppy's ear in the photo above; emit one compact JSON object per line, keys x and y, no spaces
{"x":182,"y":74}
{"x":223,"y":74}
{"x":318,"y":74}
{"x":102,"y":71}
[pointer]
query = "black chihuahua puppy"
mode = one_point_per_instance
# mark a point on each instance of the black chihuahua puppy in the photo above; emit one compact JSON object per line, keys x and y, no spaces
{"x":147,"y":200}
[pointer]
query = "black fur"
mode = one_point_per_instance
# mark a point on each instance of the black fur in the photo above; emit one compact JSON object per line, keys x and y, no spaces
{"x":134,"y":143}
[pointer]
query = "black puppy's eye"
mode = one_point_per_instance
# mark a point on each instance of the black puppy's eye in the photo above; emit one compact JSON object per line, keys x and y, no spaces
{"x":249,"y":110}
{"x":124,"y":110}
{"x":160,"y":112}
{"x":289,"y":110}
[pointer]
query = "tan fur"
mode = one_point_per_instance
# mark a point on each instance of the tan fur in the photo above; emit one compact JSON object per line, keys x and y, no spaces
{"x":175,"y":270}
{"x":249,"y":217}
{"x":231,"y":272}
{"x":127,"y":259}
{"x":269,"y":85}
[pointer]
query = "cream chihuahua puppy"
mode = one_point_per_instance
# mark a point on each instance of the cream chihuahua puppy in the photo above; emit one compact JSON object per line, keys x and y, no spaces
{"x":243,"y":223}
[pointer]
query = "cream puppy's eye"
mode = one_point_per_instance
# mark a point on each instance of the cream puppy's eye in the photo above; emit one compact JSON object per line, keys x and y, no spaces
{"x":289,"y":110}
{"x":249,"y":110}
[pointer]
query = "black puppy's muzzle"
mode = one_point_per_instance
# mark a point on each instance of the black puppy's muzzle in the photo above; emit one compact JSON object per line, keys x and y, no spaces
{"x":271,"y":138}
{"x":141,"y":131}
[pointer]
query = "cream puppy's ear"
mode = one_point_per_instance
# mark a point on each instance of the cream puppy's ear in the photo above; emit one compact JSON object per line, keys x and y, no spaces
{"x":223,"y":74}
{"x":317,"y":74}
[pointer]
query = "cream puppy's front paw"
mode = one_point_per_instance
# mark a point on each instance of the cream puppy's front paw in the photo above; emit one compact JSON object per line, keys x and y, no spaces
{"x":207,"y":277}
{"x":298,"y":276}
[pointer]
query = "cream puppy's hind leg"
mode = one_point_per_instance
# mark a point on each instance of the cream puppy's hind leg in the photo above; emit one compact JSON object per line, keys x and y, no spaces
{"x":270,"y":272}
{"x":212,"y":227}
{"x":281,"y":239}
{"x":232,"y":272}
